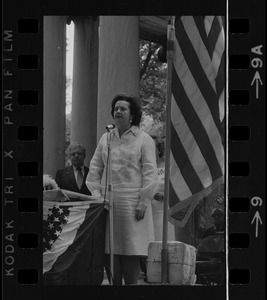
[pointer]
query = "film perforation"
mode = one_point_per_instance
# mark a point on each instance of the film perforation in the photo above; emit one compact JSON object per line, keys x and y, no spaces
{"x":239,"y":61}
{"x":28,"y":169}
{"x":237,"y":222}
{"x":28,"y":133}
{"x":239,"y":169}
{"x":28,"y":62}
{"x":28,"y":26}
{"x":239,"y":204}
{"x":239,"y":240}
{"x":28,"y":205}
{"x":28,"y":97}
{"x":28,"y":276}
{"x":239,"y":26}
{"x":239,"y":276}
{"x":239,"y":133}
{"x":27,"y":240}
{"x":239,"y":97}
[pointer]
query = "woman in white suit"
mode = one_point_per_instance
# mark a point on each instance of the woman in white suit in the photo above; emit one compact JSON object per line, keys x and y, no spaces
{"x":134,"y":181}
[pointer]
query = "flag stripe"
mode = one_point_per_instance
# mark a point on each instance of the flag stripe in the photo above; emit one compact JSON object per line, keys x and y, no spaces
{"x":220,"y":78}
{"x":214,"y":34}
{"x":208,"y":24}
{"x":195,"y":127}
{"x":200,"y":49}
{"x":218,"y":52}
{"x":181,"y":158}
{"x":222,"y":109}
{"x":197,"y":154}
{"x":191,"y":147}
{"x":192,"y":89}
{"x":198,"y":102}
{"x":177,"y":180}
{"x":197,"y":71}
{"x":172,"y":200}
{"x":202,"y":31}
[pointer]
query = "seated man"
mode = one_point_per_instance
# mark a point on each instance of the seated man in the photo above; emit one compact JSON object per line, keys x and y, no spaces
{"x":210,"y":267}
{"x":219,"y":224}
{"x":73,"y":177}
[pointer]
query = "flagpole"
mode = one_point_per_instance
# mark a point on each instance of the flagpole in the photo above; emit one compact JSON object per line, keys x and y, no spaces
{"x":164,"y":251}
{"x":110,"y":190}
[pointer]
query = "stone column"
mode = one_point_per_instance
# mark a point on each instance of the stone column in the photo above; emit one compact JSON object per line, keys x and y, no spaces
{"x":84,"y":89}
{"x":54,"y":93}
{"x":118,"y":63}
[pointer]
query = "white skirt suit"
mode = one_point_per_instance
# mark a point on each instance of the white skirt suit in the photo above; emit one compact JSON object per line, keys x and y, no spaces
{"x":134,"y":179}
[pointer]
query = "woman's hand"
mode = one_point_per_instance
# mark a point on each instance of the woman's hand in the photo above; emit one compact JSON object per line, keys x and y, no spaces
{"x":159,"y":197}
{"x":140,"y":212}
{"x":96,"y":194}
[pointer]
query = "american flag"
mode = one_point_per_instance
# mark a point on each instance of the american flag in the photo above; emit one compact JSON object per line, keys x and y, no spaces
{"x":67,"y":227}
{"x":197,"y":112}
{"x":57,"y":217}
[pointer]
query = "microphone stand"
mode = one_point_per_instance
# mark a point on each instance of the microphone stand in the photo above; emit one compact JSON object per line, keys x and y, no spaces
{"x":110,"y":192}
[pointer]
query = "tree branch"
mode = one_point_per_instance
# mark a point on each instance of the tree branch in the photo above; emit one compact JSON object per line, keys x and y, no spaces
{"x":146,"y":62}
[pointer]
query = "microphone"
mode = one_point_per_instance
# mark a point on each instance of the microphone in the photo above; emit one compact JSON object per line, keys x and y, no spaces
{"x":110,"y":127}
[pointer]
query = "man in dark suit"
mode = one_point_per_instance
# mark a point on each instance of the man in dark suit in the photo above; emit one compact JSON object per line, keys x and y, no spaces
{"x":88,"y":269}
{"x":73,"y":177}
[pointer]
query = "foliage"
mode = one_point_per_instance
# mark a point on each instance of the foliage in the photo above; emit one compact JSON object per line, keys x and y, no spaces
{"x":153,"y":83}
{"x":67,"y":137}
{"x":68,"y":90}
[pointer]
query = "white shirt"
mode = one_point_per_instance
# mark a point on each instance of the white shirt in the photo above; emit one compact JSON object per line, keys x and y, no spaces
{"x":133,"y":163}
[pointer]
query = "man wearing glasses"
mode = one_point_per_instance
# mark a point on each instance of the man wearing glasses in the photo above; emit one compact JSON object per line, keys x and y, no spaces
{"x":73,"y":177}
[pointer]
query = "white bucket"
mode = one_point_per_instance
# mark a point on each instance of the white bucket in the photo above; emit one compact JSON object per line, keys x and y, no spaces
{"x":181,"y":263}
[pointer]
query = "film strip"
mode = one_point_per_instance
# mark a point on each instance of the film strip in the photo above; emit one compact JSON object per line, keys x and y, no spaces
{"x":22,"y":98}
{"x":246,"y":204}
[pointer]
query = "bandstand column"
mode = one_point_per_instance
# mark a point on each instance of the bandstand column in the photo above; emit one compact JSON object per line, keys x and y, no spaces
{"x":54,"y":93}
{"x":84,"y":89}
{"x":118,"y":63}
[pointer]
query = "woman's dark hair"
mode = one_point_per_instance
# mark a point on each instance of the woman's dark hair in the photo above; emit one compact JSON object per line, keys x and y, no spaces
{"x":135,"y":107}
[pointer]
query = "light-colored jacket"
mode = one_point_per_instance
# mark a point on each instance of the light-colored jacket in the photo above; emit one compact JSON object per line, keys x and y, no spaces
{"x":133,"y":164}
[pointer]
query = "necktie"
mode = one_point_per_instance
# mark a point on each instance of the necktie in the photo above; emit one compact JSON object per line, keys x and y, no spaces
{"x":79,"y":177}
